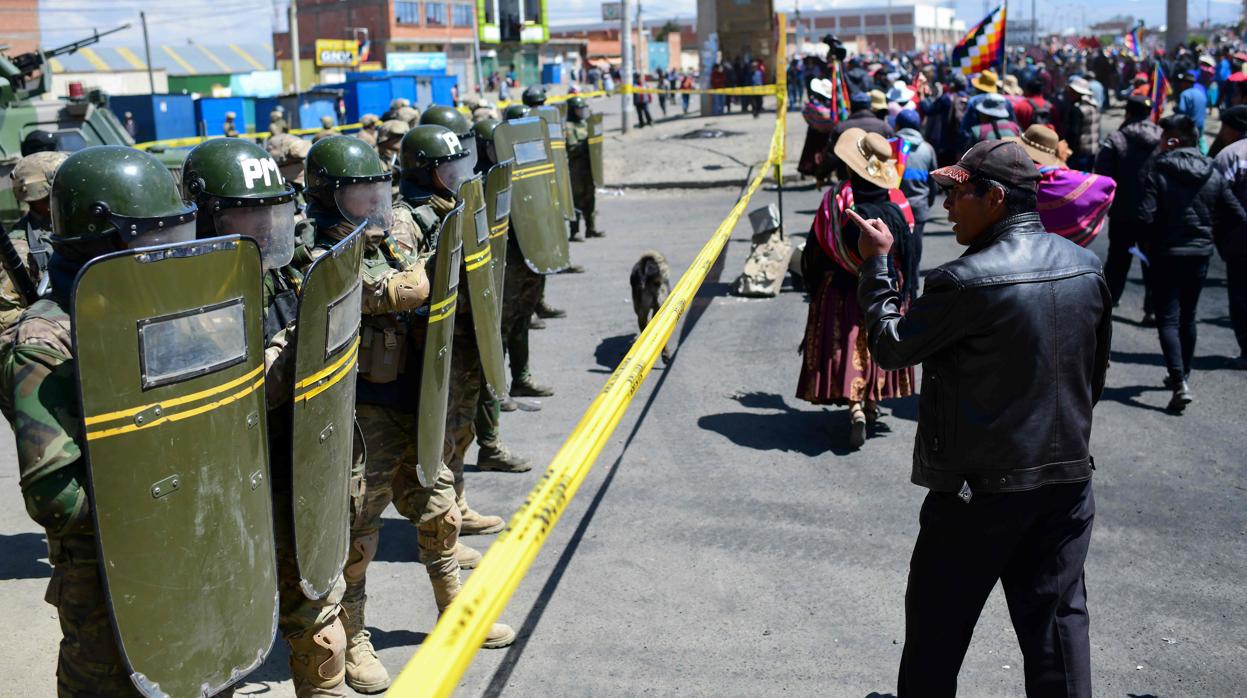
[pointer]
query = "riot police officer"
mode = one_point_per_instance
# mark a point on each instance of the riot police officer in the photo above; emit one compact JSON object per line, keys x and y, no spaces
{"x":578,"y":155}
{"x":534,"y":96}
{"x":238,"y":189}
{"x":435,"y":165}
{"x":104,"y":199}
{"x":277,"y":122}
{"x":348,"y":185}
{"x":389,"y":135}
{"x":32,"y":185}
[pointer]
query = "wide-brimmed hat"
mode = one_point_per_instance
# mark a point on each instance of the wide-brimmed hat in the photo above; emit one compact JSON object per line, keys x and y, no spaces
{"x":985,"y":81}
{"x":869,"y":155}
{"x":900,"y":93}
{"x":1010,"y":85}
{"x":878,"y":100}
{"x":821,"y":86}
{"x":1039,"y":142}
{"x":994,"y":106}
{"x":1080,"y":85}
{"x":1208,"y":60}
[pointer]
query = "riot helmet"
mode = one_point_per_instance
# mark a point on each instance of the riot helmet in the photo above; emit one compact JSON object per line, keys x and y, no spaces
{"x":119,"y":196}
{"x":534,"y":96}
{"x":346,"y":174}
{"x":433,"y":161}
{"x":239,"y":190}
{"x":454,"y":120}
{"x":577,"y":109}
{"x":515,"y":111}
{"x":487,"y":153}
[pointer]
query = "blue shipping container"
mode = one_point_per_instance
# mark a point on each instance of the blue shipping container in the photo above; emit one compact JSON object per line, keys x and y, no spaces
{"x":552,"y":74}
{"x":362,"y":96}
{"x":157,"y":117}
{"x":210,"y":114}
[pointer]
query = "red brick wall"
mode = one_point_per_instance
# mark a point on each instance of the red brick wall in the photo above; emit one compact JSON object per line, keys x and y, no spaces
{"x":19,"y":25}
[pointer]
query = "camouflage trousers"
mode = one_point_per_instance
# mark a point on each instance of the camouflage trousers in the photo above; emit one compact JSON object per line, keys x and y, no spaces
{"x":298,"y":614}
{"x":467,"y":383}
{"x":90,"y":662}
{"x":488,"y":416}
{"x":522,"y":289}
{"x":390,"y":474}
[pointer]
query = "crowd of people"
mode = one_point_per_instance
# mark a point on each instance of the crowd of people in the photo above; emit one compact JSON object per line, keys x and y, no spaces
{"x":1172,"y":193}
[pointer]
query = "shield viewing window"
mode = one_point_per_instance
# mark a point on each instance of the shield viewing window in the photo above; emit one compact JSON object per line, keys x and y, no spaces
{"x":502,"y":204}
{"x":343,"y":321}
{"x":556,"y":131}
{"x":456,"y":260}
{"x":482,"y":226}
{"x":528,"y":152}
{"x":192,"y":343}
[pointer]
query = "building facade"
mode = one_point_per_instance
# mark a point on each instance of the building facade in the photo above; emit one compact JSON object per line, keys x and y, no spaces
{"x":896,"y":27}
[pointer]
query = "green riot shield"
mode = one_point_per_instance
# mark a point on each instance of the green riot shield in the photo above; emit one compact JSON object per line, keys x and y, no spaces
{"x":435,"y":375}
{"x":486,"y":300}
{"x":535,"y":214}
{"x":171,"y":379}
{"x":326,"y":353}
{"x":562,"y":170}
{"x":498,"y":210}
{"x":595,"y":149}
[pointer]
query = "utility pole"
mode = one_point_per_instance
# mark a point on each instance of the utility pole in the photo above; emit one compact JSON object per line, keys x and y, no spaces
{"x":891,"y":39}
{"x":625,"y":70}
{"x":1175,"y":19}
{"x":1034,"y":25}
{"x":147,"y":51}
{"x":476,"y":51}
{"x":294,"y":43}
{"x":641,"y":57}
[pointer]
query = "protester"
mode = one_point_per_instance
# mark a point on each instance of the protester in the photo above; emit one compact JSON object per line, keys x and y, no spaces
{"x":944,"y":120}
{"x":1123,"y":156}
{"x":820,"y":122}
{"x":1192,"y":99}
{"x":1032,"y":107}
{"x":837,"y":368}
{"x":1072,"y":204}
{"x":1232,"y":162}
{"x":993,"y":121}
{"x":1185,"y":204}
{"x":917,"y":189}
{"x":640,"y":101}
{"x":861,"y":116}
{"x":1003,"y":435}
{"x":1081,"y":120}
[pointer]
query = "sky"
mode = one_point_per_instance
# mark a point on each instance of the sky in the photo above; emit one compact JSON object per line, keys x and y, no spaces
{"x":251,"y":21}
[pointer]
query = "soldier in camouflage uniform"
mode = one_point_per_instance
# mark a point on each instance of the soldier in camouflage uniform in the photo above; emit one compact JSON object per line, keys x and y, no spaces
{"x":522,"y":289}
{"x":277,"y":122}
{"x":425,"y":154}
{"x":389,"y":137}
{"x":289,"y":151}
{"x":38,"y":395}
{"x":326,"y":129}
{"x":583,"y":189}
{"x":368,"y":129}
{"x":343,"y":178}
{"x":32,"y":185}
{"x":229,"y":129}
{"x":214,"y":179}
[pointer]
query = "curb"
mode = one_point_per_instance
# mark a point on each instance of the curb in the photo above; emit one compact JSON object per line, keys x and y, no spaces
{"x":701,"y":183}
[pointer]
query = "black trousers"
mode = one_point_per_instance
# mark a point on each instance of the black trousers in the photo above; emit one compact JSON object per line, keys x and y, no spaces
{"x":1236,"y":288}
{"x":1121,"y":236}
{"x":1176,"y":284}
{"x":1035,"y":543}
{"x":642,"y":114}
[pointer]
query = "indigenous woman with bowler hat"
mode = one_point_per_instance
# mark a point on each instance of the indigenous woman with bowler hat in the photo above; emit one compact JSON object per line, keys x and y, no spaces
{"x":837,"y":368}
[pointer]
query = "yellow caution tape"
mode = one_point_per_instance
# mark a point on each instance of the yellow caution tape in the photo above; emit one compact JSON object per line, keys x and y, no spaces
{"x":445,"y":654}
{"x":259,"y":136}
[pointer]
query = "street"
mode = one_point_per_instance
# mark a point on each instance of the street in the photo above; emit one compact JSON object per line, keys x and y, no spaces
{"x":730,"y":543}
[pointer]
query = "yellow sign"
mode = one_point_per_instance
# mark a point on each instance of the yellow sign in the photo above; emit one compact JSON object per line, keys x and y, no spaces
{"x":337,"y":53}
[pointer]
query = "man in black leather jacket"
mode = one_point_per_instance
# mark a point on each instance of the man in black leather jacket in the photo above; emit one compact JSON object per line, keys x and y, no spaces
{"x":1013,"y":338}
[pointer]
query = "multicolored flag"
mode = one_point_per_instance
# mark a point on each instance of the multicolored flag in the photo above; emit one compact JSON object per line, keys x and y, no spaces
{"x":1133,"y":42}
{"x":1159,"y":92}
{"x":983,"y":46}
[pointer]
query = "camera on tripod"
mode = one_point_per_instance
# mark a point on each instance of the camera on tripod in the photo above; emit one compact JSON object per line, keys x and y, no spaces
{"x":838,"y":51}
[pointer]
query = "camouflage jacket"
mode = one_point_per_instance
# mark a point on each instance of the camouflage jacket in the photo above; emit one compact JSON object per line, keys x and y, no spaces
{"x":577,"y":136}
{"x":39,"y":397}
{"x":10,"y":300}
{"x":281,"y":288}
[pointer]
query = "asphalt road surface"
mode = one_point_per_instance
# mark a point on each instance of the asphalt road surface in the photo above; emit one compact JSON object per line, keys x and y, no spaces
{"x":730,"y":543}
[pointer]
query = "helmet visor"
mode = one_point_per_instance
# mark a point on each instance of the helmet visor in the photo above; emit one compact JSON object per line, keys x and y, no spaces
{"x":581,"y":113}
{"x":179,"y":232}
{"x":453,"y":173}
{"x":468,"y":141}
{"x":367,"y":201}
{"x":272,"y":227}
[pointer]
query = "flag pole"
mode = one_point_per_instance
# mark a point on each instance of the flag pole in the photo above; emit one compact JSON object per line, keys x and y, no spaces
{"x":1004,"y":40}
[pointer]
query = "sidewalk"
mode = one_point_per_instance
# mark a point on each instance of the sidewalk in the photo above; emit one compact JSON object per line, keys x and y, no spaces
{"x":656,"y":157}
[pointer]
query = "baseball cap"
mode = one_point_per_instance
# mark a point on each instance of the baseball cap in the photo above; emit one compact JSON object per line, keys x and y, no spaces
{"x":1002,"y":161}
